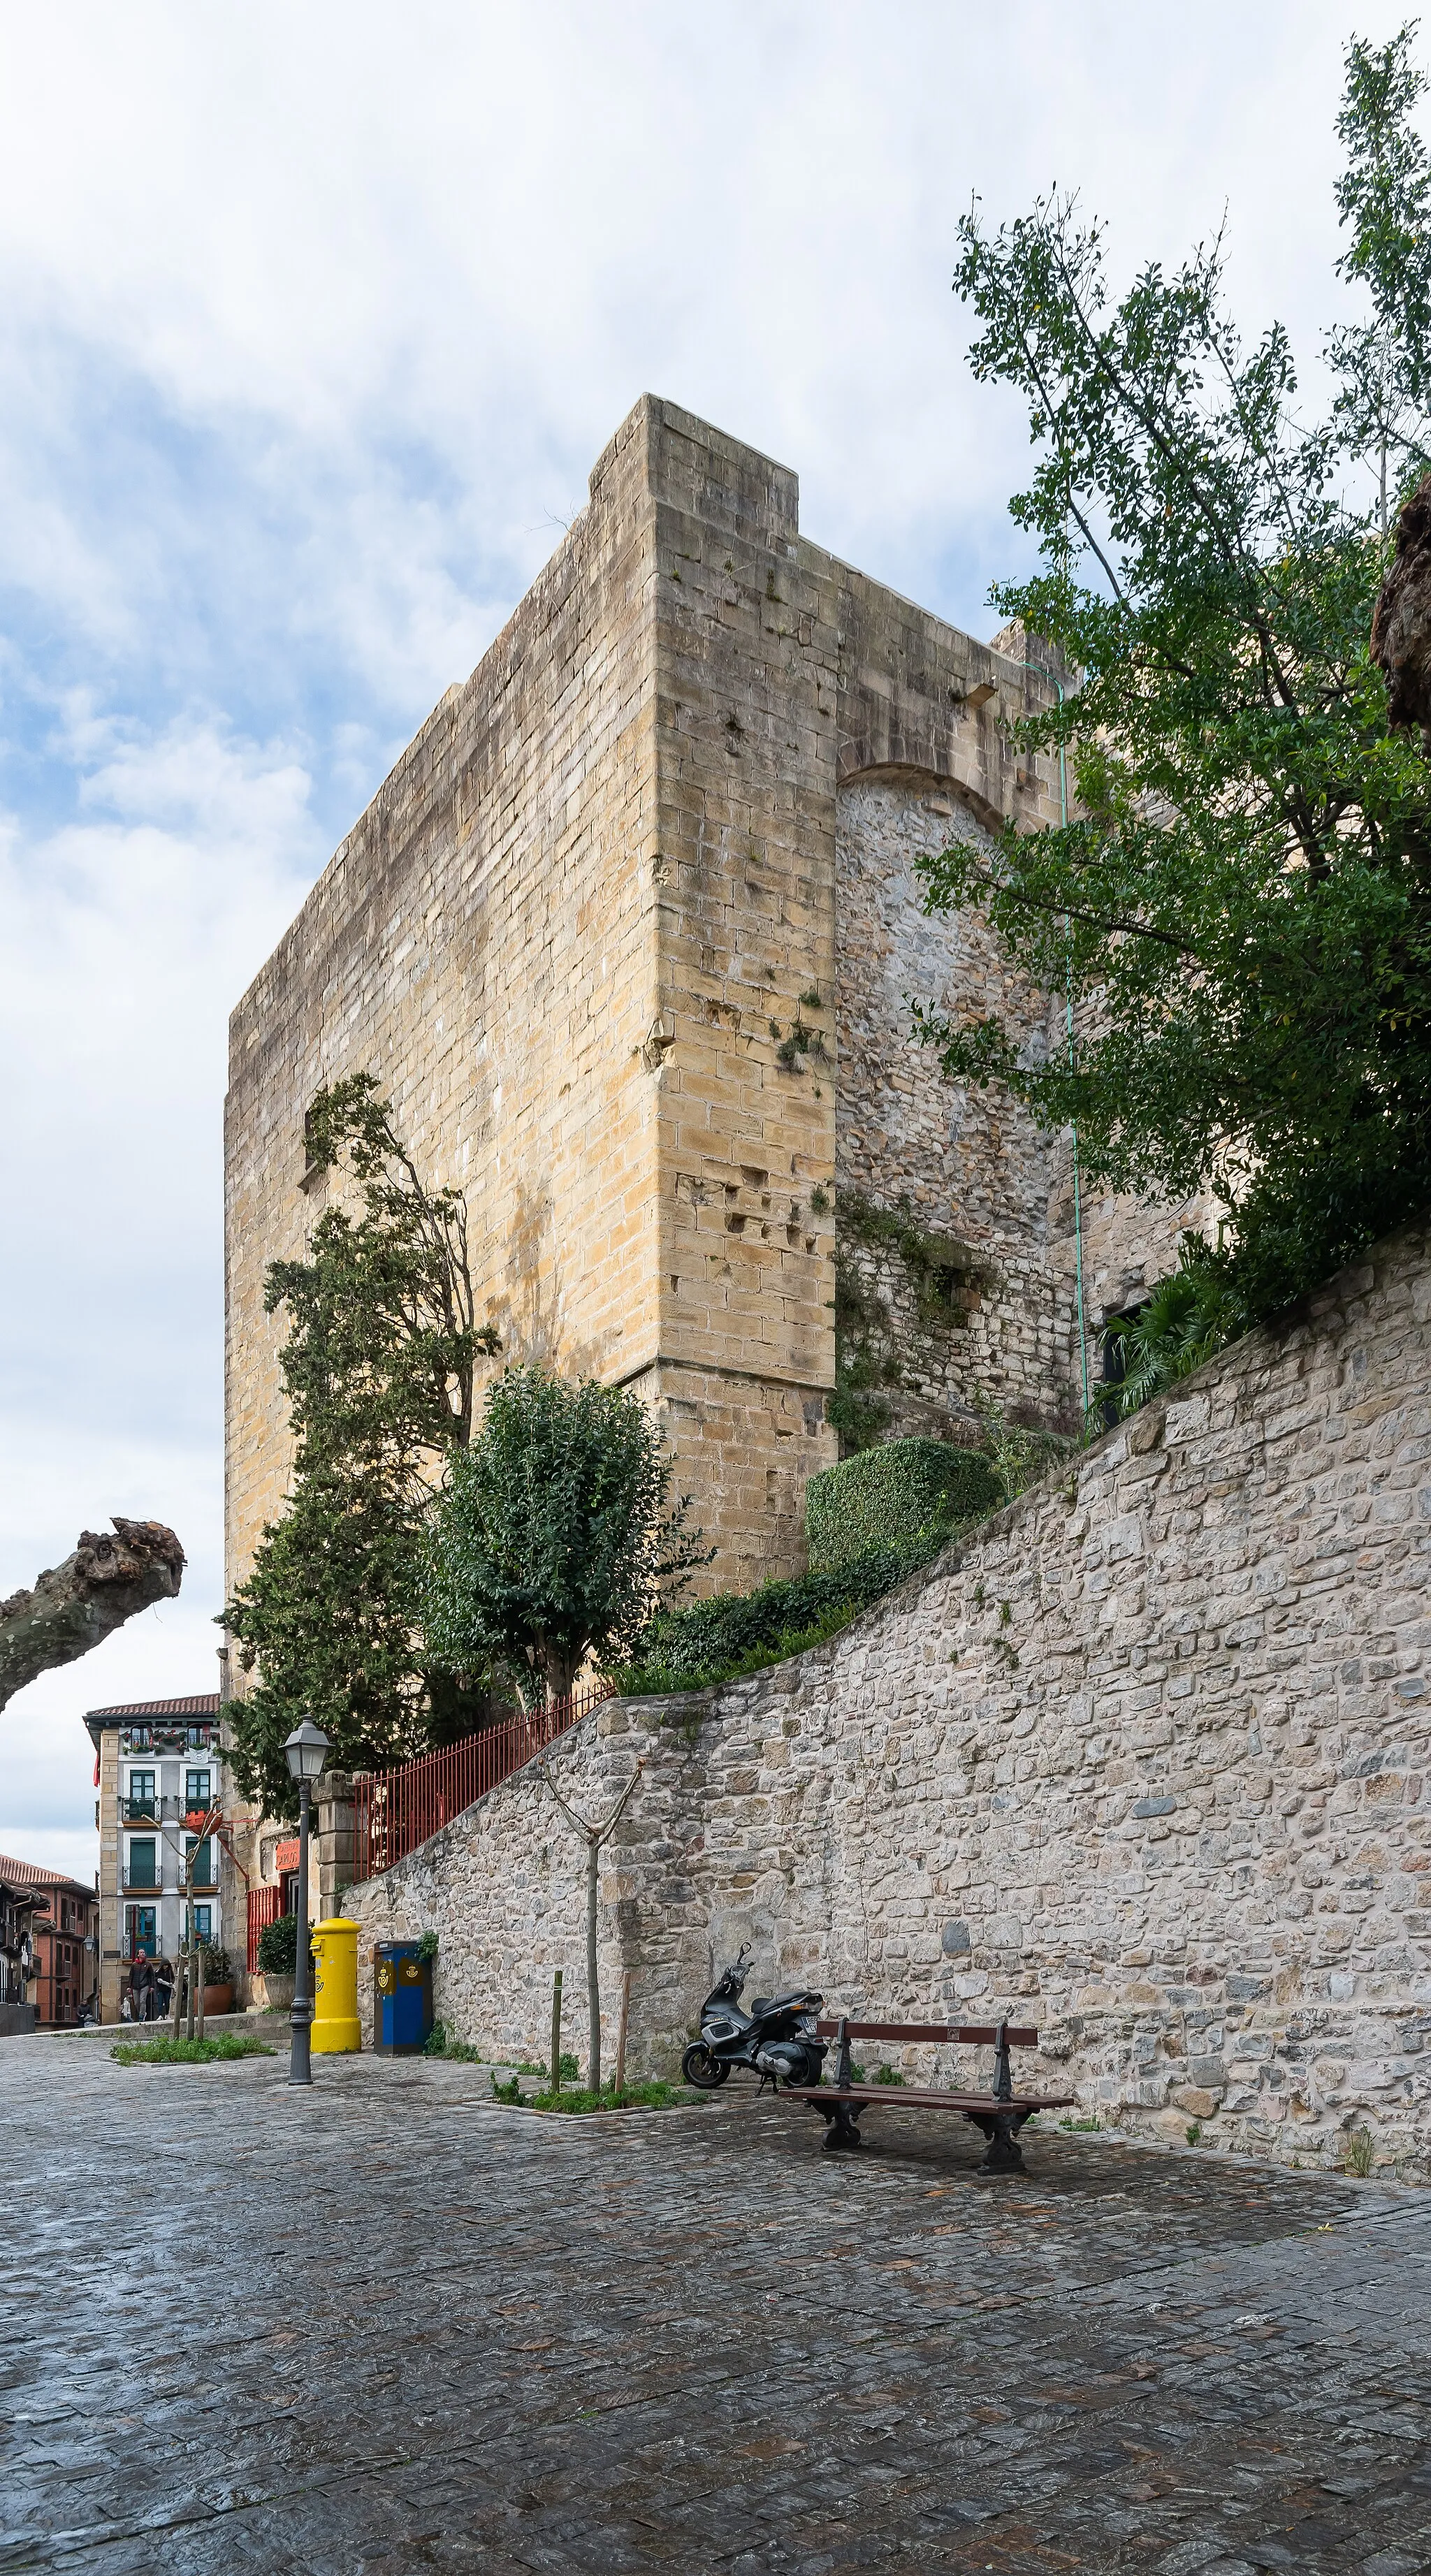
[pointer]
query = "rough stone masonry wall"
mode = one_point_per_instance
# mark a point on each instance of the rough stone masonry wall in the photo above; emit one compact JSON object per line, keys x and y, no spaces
{"x":1144,"y":1762}
{"x":967,"y":1166}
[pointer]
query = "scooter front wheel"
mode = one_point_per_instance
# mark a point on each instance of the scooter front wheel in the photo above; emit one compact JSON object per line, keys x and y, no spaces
{"x":699,"y":2067}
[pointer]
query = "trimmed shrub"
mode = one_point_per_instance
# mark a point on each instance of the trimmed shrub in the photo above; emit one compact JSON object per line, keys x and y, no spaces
{"x":892,"y":1494}
{"x":278,"y":1946}
{"x":742,"y":1632}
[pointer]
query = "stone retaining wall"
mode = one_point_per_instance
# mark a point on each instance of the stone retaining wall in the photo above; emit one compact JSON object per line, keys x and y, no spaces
{"x":1144,"y":1760}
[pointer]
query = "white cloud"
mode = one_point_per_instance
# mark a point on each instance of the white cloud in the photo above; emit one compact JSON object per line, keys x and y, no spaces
{"x":312,"y":323}
{"x":128,"y":934}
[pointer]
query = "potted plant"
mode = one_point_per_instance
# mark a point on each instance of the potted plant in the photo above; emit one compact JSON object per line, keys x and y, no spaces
{"x":278,"y":1959}
{"x":218,"y":1979}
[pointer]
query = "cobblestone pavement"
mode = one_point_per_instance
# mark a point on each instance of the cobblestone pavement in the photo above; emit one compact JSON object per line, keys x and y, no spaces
{"x":382,"y":2327}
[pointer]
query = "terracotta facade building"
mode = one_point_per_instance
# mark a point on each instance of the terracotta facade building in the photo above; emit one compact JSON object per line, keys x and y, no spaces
{"x":64,"y":1938}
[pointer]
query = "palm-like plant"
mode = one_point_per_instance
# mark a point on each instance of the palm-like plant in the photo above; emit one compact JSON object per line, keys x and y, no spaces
{"x":1189,"y":1316}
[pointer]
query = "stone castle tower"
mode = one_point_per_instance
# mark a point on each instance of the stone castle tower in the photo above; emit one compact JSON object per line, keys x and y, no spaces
{"x":629,"y":938}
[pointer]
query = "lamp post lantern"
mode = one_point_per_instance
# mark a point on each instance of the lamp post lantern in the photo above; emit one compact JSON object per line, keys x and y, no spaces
{"x":306,"y":1751}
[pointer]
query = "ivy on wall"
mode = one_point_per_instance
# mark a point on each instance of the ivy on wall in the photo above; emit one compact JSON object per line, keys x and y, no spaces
{"x":947,"y":1280}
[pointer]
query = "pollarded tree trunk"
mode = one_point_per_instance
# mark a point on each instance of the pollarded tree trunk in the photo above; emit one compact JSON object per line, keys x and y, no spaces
{"x":75,"y":1606}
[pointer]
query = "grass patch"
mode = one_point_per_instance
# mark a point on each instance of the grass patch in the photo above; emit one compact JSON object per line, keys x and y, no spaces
{"x":170,"y":2051}
{"x":440,"y":2043}
{"x":653,"y":2096}
{"x":1080,"y":2124}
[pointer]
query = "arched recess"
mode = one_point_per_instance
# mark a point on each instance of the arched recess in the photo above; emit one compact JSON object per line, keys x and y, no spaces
{"x":923,"y":782}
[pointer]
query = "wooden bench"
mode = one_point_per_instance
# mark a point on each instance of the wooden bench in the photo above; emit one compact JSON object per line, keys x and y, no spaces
{"x":1000,"y":2113}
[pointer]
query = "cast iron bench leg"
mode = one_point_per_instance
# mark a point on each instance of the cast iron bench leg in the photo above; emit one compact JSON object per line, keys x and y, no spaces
{"x":841,"y":2125}
{"x":1005,"y":2155}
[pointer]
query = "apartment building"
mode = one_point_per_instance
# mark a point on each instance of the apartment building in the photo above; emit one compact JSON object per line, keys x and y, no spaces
{"x":64,"y":1939}
{"x":157,"y":1766}
{"x":17,"y":1956}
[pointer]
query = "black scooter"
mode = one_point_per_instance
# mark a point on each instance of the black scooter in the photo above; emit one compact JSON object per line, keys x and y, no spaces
{"x":775,"y":2039}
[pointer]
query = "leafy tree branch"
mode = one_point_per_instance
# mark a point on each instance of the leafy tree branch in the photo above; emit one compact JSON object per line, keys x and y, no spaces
{"x":1240,"y":901}
{"x":379,"y":1369}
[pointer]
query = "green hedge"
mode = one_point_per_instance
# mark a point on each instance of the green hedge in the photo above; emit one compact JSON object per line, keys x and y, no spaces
{"x":888,"y":1496}
{"x":742,"y":1632}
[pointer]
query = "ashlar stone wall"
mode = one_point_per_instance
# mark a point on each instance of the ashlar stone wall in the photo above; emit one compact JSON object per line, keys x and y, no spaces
{"x":1145,"y":1762}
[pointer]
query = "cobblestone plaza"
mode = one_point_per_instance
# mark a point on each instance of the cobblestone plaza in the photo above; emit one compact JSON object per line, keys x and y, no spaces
{"x":389,"y":2326}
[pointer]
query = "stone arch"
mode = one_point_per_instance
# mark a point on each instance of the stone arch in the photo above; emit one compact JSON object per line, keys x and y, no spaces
{"x":920,"y":780}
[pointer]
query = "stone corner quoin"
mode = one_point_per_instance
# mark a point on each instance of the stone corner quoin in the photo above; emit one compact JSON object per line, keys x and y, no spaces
{"x":1143,"y":1761}
{"x":630,"y":937}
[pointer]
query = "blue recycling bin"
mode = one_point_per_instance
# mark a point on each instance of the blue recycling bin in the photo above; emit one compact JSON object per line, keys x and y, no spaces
{"x":402,"y":2001}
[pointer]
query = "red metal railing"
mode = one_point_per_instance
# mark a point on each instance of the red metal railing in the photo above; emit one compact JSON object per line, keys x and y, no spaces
{"x":394,"y":1811}
{"x":265,"y":1904}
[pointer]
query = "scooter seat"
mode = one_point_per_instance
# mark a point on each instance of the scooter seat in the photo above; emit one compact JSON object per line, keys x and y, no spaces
{"x":774,"y":2003}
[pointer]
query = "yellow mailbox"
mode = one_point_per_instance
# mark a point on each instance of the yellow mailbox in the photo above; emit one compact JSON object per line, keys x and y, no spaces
{"x":335,"y":1987}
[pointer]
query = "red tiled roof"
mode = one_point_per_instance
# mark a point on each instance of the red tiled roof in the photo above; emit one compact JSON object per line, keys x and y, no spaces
{"x":28,"y":1873}
{"x":204,"y":1704}
{"x":98,"y":1720}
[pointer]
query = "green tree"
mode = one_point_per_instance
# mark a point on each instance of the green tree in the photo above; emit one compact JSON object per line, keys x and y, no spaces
{"x":1384,"y":202}
{"x":1243,"y":890}
{"x":552,"y":1540}
{"x":379,"y":1368}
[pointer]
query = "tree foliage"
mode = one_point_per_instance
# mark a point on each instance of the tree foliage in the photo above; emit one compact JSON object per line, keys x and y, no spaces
{"x":379,"y":1368}
{"x":552,"y":1540}
{"x":384,"y":1341}
{"x":1242,"y":892}
{"x":1383,"y":363}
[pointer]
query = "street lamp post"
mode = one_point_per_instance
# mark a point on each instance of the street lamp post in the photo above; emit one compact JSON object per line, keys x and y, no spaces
{"x":306,"y":1751}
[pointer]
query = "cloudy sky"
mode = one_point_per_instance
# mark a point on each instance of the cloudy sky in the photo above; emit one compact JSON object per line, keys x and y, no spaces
{"x":312,"y":322}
